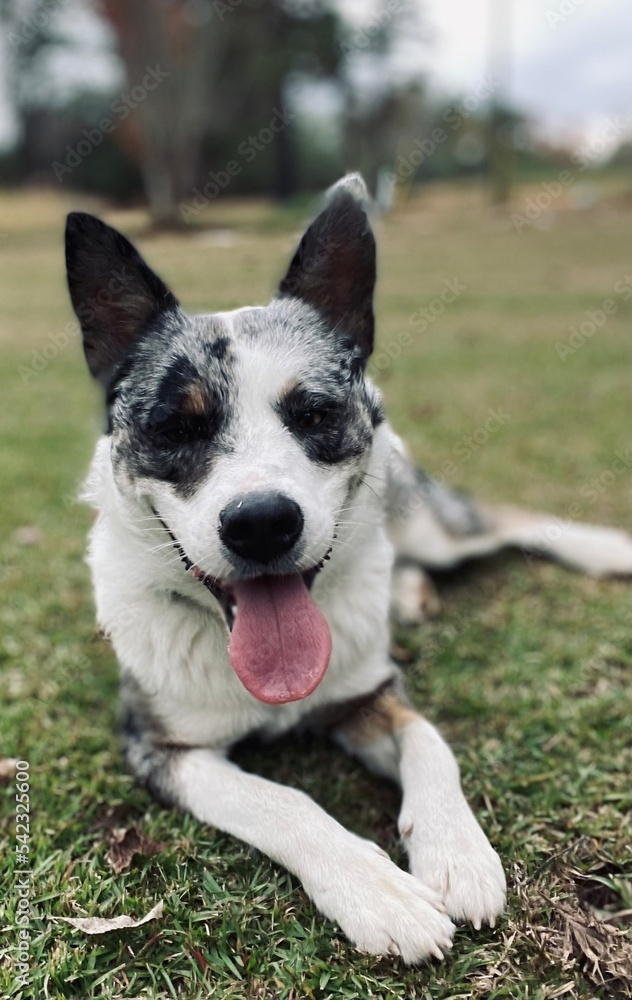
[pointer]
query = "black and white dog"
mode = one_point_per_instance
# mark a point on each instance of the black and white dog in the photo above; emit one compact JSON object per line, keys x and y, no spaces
{"x":251,"y":497}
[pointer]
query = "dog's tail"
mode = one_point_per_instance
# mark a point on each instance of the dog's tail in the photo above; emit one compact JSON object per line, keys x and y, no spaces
{"x":435,"y":527}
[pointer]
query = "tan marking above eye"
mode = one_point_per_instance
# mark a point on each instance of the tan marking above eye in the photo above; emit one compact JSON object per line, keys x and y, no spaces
{"x":290,"y":386}
{"x":194,"y":400}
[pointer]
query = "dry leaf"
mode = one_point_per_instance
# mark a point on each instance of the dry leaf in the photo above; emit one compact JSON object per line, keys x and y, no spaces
{"x":571,"y":936}
{"x":561,"y":991}
{"x":125,"y":843}
{"x":8,"y":767}
{"x":102,"y":925}
{"x":556,"y":922}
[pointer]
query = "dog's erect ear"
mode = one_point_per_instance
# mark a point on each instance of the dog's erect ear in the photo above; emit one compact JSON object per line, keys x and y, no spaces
{"x":114,"y":293}
{"x":333,"y":269}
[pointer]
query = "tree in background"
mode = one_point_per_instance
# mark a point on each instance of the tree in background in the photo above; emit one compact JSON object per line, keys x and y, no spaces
{"x":222,"y":63}
{"x":223,"y":68}
{"x":219,"y":71}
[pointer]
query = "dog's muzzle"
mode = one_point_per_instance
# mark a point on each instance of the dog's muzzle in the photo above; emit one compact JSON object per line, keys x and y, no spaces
{"x":280,"y":643}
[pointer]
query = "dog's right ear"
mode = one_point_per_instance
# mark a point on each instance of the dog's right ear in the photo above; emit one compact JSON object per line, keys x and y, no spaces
{"x":333,"y":269}
{"x":114,"y":293}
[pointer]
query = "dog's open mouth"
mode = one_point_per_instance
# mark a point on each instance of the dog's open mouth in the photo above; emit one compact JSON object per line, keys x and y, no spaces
{"x":280,"y":643}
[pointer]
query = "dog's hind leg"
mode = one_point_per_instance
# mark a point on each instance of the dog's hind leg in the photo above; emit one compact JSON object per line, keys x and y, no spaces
{"x":446,"y":847}
{"x":435,"y":527}
{"x":590,"y":548}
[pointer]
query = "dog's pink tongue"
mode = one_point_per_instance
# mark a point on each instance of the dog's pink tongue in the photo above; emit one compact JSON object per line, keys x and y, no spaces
{"x":280,"y":643}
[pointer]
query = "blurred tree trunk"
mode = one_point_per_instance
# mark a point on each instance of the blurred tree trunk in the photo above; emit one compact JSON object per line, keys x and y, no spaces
{"x":172,"y":118}
{"x":500,"y":154}
{"x":285,"y":179}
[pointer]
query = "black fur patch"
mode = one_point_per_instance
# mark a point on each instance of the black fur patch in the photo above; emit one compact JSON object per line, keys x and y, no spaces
{"x":217,"y":348}
{"x":115,"y":295}
{"x":333,"y":270}
{"x":376,"y":410}
{"x":146,"y":752}
{"x":343,"y":429}
{"x":173,"y":414}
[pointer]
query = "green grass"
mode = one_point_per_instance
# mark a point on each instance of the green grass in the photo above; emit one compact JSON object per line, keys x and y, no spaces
{"x":527,"y":671}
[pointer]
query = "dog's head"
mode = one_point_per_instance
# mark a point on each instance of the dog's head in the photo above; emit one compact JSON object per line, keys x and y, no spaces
{"x":244,"y":435}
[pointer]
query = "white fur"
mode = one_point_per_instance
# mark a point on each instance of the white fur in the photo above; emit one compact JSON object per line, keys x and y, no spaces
{"x":382,"y":909}
{"x":447,"y":848}
{"x":590,"y":548}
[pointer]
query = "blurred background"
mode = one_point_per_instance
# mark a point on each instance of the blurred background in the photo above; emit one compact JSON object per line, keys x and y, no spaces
{"x":155,"y":101}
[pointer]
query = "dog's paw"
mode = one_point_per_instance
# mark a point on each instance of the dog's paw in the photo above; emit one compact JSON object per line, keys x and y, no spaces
{"x":596,"y":550}
{"x":455,"y":859}
{"x":380,"y":908}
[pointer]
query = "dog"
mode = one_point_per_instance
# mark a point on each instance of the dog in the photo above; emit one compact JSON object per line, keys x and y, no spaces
{"x":258,"y":523}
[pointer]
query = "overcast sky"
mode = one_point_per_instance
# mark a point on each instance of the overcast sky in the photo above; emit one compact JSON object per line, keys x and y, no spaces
{"x":570,"y":65}
{"x":571,"y":72}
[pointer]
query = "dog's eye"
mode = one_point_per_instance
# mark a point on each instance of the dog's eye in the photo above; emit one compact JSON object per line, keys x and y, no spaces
{"x":177,"y":435}
{"x":309,"y":419}
{"x":178,"y":430}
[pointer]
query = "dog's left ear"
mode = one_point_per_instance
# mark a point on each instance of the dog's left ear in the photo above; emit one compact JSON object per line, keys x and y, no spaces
{"x":333,"y":269}
{"x":115,"y":294}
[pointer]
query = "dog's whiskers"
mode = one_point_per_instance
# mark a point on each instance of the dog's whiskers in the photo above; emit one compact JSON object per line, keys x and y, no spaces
{"x":359,"y":523}
{"x":353,"y":506}
{"x":369,"y":487}
{"x":159,"y":548}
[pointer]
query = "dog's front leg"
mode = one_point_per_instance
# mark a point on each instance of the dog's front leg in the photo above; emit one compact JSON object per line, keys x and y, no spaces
{"x":381,"y":908}
{"x":446,"y":847}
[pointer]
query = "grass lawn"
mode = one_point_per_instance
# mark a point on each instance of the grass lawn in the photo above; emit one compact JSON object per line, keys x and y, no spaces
{"x":527,"y":671}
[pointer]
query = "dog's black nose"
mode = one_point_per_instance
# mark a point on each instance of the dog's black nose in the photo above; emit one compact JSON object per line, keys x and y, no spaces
{"x":261,"y":526}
